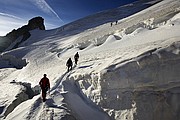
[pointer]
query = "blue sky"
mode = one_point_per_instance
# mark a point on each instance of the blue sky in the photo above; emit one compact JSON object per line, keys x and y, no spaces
{"x":15,"y":13}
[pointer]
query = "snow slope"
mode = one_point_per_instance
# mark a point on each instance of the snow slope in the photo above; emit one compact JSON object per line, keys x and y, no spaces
{"x":128,"y":71}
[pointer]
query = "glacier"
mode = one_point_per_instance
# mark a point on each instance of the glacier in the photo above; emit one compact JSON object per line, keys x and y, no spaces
{"x":129,"y":71}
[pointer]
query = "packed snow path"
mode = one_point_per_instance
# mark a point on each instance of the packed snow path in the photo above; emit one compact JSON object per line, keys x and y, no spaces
{"x":65,"y":98}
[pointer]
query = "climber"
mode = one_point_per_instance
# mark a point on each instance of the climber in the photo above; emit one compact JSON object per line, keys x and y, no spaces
{"x":76,"y":57}
{"x":45,"y":86}
{"x":111,"y":24}
{"x":69,"y":64}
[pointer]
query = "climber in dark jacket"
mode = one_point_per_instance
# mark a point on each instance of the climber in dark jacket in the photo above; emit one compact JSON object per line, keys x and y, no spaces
{"x":76,"y":57}
{"x":45,"y":85}
{"x":69,"y":64}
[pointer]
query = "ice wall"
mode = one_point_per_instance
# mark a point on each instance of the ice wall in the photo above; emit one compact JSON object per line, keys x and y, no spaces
{"x":146,"y":87}
{"x":150,"y":80}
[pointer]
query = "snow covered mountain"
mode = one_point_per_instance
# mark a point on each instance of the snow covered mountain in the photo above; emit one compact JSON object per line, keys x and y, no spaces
{"x":126,"y":71}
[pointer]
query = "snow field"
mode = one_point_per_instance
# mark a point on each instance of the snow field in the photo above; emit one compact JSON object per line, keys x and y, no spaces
{"x":121,"y":69}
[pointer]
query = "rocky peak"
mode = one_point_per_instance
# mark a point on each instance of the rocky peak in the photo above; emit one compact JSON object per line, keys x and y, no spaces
{"x":34,"y":23}
{"x":37,"y":22}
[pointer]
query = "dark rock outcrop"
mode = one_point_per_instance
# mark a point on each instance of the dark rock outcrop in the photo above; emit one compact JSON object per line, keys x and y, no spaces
{"x":34,"y":23}
{"x":37,"y":22}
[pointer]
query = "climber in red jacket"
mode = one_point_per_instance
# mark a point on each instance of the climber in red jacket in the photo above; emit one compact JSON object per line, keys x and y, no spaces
{"x":45,"y":85}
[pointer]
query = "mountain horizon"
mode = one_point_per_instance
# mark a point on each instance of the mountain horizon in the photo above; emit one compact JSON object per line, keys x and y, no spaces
{"x":14,"y":14}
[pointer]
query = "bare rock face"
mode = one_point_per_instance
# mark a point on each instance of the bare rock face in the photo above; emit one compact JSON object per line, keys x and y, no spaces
{"x":37,"y":22}
{"x":34,"y":23}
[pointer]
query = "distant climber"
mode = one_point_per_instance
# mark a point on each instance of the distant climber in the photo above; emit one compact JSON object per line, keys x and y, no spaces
{"x":76,"y":57}
{"x":116,"y":22}
{"x":69,"y":64}
{"x":111,"y":24}
{"x":45,"y":85}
